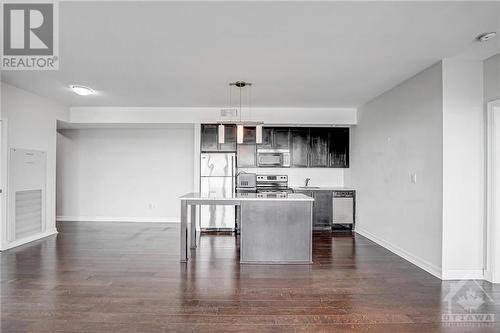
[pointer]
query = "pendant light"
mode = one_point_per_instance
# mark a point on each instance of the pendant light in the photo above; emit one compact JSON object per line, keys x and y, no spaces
{"x":222,"y":133}
{"x":258,"y":134}
{"x":239,"y":134}
{"x":240,"y":125}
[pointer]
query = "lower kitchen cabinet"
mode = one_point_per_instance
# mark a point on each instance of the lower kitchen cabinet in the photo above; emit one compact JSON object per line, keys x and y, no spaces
{"x":322,"y":208}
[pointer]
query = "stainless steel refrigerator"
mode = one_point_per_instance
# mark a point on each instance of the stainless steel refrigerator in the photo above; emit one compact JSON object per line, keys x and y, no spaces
{"x":218,"y":172}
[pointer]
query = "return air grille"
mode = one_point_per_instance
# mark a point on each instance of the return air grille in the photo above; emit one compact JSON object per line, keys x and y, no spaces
{"x":28,"y":213}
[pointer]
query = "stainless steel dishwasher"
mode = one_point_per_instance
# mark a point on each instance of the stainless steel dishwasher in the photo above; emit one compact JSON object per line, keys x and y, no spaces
{"x":344,"y":207}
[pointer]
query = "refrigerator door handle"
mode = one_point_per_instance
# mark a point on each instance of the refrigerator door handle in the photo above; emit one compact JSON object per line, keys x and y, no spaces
{"x":233,"y":172}
{"x":232,"y":165}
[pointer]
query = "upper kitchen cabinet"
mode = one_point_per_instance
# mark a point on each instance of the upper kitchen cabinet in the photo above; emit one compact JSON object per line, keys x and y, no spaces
{"x":281,"y":138}
{"x":275,"y":137}
{"x":229,"y":139}
{"x":249,"y":135}
{"x":267,"y":138}
{"x":339,"y":148}
{"x":318,"y":150}
{"x":300,"y":147}
{"x":209,"y":138}
{"x":246,"y":156}
{"x":315,"y":147}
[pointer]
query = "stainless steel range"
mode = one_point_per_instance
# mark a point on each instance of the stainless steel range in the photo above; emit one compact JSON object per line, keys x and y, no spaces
{"x":265,"y":186}
{"x":272,"y":184}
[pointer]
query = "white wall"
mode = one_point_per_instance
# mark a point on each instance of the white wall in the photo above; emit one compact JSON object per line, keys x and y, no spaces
{"x":400,"y":133}
{"x":297,"y":176}
{"x":492,"y":267}
{"x":31,"y":124}
{"x":492,"y":93}
{"x":463,"y":169}
{"x":124,"y":174}
{"x":492,"y":78}
{"x":305,"y":116}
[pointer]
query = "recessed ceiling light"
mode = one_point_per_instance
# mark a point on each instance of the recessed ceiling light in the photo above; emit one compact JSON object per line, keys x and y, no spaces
{"x":486,"y":36}
{"x":82,"y":90}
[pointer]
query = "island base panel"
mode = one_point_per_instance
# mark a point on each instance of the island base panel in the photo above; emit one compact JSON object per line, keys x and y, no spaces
{"x":276,"y":232}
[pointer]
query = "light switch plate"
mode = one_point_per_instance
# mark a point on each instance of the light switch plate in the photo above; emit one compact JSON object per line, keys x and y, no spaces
{"x":229,"y":113}
{"x":413,"y":177}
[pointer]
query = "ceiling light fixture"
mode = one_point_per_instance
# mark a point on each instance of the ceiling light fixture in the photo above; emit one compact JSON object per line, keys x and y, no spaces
{"x":486,"y":36}
{"x":241,"y":124}
{"x":82,"y":90}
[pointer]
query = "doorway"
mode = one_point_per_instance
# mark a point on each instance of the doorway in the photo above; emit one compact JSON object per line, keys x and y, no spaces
{"x":492,"y":269}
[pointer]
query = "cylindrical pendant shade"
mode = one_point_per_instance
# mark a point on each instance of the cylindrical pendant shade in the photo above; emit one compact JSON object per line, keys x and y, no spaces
{"x":239,"y":134}
{"x":258,"y":134}
{"x":222,"y":133}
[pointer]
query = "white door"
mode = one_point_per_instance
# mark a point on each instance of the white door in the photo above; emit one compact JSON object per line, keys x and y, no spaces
{"x":492,"y":271}
{"x":2,"y":190}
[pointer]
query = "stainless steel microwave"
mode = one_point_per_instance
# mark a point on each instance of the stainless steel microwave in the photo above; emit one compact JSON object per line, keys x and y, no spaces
{"x":273,"y":158}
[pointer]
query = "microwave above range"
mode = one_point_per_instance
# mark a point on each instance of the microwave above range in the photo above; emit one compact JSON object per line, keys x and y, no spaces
{"x":273,"y":158}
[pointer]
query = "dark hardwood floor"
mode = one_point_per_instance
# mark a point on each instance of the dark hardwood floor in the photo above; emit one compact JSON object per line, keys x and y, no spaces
{"x":125,"y":277}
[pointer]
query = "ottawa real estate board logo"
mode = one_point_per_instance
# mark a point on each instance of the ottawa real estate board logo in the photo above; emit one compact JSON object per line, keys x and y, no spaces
{"x":30,"y":35}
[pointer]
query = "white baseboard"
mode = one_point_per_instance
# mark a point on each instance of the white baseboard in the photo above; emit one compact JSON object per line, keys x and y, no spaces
{"x":461,"y":274}
{"x":417,"y":261}
{"x":117,"y":219}
{"x":490,"y":277}
{"x":29,"y":239}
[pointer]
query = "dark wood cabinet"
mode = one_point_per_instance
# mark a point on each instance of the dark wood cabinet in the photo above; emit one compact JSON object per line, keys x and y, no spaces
{"x":248,"y":135}
{"x":300,"y":148}
{"x":267,"y":137}
{"x":209,"y":138}
{"x":246,"y":156}
{"x":339,"y":148}
{"x":281,"y":138}
{"x":322,"y":210}
{"x":229,"y":139}
{"x":318,"y":148}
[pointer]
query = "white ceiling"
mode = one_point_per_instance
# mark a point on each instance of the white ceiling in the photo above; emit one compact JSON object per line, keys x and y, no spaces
{"x":298,"y":54}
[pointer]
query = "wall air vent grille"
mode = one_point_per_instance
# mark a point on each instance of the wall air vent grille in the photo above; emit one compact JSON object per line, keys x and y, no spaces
{"x":28,"y":213}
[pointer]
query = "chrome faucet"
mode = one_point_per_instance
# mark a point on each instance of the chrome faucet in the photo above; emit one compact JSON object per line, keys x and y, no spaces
{"x":307,"y":181}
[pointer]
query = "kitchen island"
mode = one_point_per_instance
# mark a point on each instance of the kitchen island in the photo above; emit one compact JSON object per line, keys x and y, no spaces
{"x":275,"y":229}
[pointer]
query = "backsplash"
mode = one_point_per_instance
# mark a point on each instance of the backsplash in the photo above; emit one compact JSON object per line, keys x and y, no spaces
{"x":297,"y":176}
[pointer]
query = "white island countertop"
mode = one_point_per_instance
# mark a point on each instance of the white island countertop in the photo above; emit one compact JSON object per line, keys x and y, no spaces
{"x":247,"y":197}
